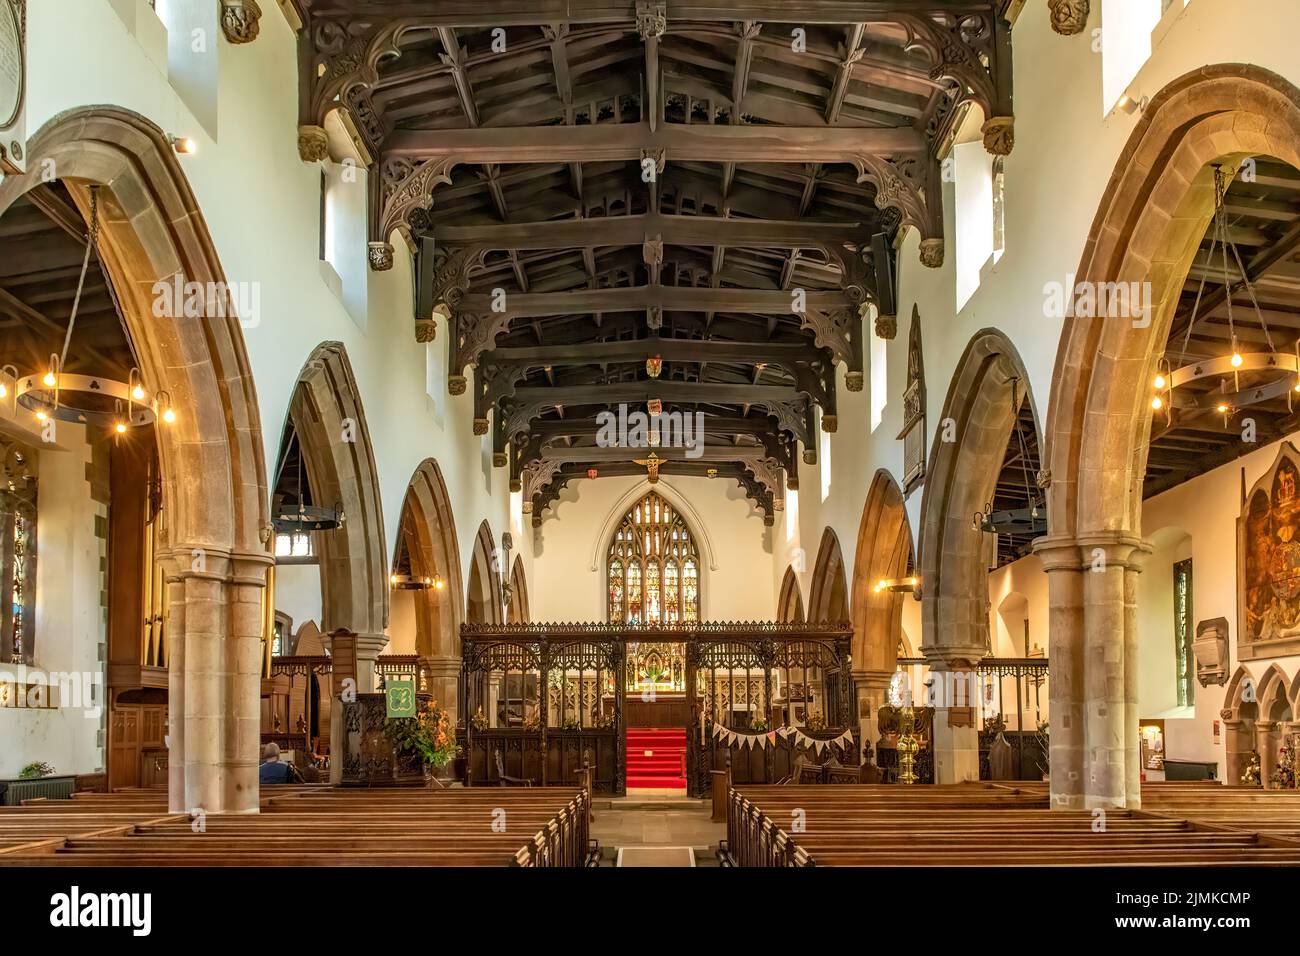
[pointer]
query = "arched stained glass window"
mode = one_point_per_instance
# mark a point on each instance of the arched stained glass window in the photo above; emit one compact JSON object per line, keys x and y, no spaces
{"x":653,"y":566}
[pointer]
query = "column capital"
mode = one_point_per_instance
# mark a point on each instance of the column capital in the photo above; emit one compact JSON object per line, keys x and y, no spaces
{"x":1067,"y":552}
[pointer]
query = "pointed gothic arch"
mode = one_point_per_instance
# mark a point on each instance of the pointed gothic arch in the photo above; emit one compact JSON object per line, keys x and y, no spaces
{"x":483,"y":600}
{"x":884,"y":551}
{"x":652,"y":566}
{"x":518,"y":612}
{"x":426,"y":543}
{"x":828,"y":598}
{"x":213,"y":468}
{"x":789,"y":606}
{"x":327,"y":414}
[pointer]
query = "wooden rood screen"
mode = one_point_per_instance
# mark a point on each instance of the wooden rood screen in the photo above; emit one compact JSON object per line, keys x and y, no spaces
{"x":540,"y":701}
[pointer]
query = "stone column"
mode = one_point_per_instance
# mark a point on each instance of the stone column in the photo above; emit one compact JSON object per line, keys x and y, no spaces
{"x":1268,"y":737}
{"x":955,"y":737}
{"x":214,"y":677}
{"x":1132,"y":743}
{"x":1106,"y":694}
{"x":368,"y":648}
{"x":442,"y":680}
{"x":1061,"y":561}
{"x":872,"y":690}
{"x":1238,"y":741}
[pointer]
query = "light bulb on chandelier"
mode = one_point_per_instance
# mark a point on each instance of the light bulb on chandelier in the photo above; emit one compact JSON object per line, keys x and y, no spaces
{"x":1244,"y":378}
{"x":96,"y":401}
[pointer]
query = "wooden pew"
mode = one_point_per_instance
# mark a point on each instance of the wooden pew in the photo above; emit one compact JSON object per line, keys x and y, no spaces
{"x":311,"y":827}
{"x":971,"y":825}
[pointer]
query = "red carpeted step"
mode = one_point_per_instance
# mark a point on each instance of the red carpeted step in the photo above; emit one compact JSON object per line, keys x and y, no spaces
{"x":654,"y":758}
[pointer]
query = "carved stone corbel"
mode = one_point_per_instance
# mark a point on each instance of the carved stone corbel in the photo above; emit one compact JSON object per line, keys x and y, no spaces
{"x":380,"y":255}
{"x":854,"y":381}
{"x":313,"y":144}
{"x":886,"y":328}
{"x":240,"y":20}
{"x":651,"y":19}
{"x":1069,"y":17}
{"x":931,"y":253}
{"x":999,"y":134}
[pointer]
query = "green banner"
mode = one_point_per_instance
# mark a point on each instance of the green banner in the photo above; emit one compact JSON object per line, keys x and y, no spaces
{"x":399,"y":696}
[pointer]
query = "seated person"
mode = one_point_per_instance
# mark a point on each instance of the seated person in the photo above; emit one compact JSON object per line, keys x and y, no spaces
{"x":272,"y":770}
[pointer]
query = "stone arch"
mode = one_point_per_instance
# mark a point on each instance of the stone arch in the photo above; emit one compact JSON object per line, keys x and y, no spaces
{"x":518,"y":611}
{"x":427,"y":533}
{"x":884,"y":551}
{"x":1274,"y":696}
{"x":483,"y":600}
{"x":327,"y":414}
{"x":789,"y":606}
{"x":212,"y":463}
{"x":1148,"y":225}
{"x":828,"y":599}
{"x":965,"y":460}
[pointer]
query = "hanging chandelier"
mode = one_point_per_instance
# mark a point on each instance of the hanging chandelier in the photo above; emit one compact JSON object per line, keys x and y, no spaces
{"x":1022,"y":521}
{"x":1245,"y":378}
{"x":96,"y":401}
{"x":301,"y":517}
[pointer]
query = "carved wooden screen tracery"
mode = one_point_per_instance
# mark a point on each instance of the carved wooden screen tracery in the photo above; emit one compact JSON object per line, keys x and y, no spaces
{"x":653,"y":567}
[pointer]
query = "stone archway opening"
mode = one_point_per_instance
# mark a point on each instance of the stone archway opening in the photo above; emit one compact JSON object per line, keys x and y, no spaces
{"x":985,"y":415}
{"x":1146,"y":233}
{"x":883,"y":562}
{"x":212,"y":473}
{"x":789,"y":605}
{"x":426,"y":585}
{"x":828,"y":597}
{"x":484,"y":602}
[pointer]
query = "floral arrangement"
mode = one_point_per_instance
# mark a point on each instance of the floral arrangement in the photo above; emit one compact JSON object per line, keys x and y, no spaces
{"x":479,"y":721}
{"x":815,"y":721}
{"x":605,"y":721}
{"x":571,"y":723}
{"x":532,"y":724}
{"x":34,"y":771}
{"x":1283,"y":777}
{"x":429,"y":733}
{"x":758,"y":723}
{"x":1251,"y":777}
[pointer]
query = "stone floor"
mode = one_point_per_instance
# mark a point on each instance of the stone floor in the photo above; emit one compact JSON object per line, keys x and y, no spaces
{"x":650,"y":818}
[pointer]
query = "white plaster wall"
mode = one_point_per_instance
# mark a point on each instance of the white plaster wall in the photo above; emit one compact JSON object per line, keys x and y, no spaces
{"x":297,"y":593}
{"x":70,"y":624}
{"x":736,"y":572}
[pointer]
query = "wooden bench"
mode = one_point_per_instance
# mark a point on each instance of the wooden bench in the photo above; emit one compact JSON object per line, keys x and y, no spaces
{"x":304,"y":826}
{"x":972,"y":825}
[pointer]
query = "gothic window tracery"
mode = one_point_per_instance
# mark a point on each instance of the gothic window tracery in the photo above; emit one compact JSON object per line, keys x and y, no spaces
{"x":653,"y":567}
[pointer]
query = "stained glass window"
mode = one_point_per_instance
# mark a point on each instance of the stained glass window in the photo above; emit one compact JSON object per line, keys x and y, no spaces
{"x":1184,"y":632}
{"x":653,"y":566}
{"x":17,"y":555}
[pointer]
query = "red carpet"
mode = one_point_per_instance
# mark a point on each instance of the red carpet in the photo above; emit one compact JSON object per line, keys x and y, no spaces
{"x":654,"y":758}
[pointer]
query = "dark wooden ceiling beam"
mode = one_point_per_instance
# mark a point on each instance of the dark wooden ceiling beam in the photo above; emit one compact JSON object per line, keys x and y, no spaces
{"x":627,"y":141}
{"x":640,"y":298}
{"x":673,"y":229}
{"x":670,"y":350}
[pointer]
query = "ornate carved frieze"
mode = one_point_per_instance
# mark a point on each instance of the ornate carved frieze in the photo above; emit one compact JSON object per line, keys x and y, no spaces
{"x":475,"y":334}
{"x":1069,"y":16}
{"x":651,"y":19}
{"x":406,"y":194}
{"x":973,"y":51}
{"x":240,"y":20}
{"x":910,"y":184}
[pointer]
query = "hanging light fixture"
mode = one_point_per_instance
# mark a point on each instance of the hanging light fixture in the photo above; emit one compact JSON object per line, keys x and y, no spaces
{"x":1030,"y":519}
{"x":905,"y":585}
{"x":96,"y":401}
{"x":407,"y":582}
{"x":302,"y":517}
{"x":1268,"y":374}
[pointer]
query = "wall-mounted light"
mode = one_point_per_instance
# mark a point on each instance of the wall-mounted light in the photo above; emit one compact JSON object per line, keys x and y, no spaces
{"x":898,"y":585}
{"x":1131,"y":104}
{"x":184,"y":145}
